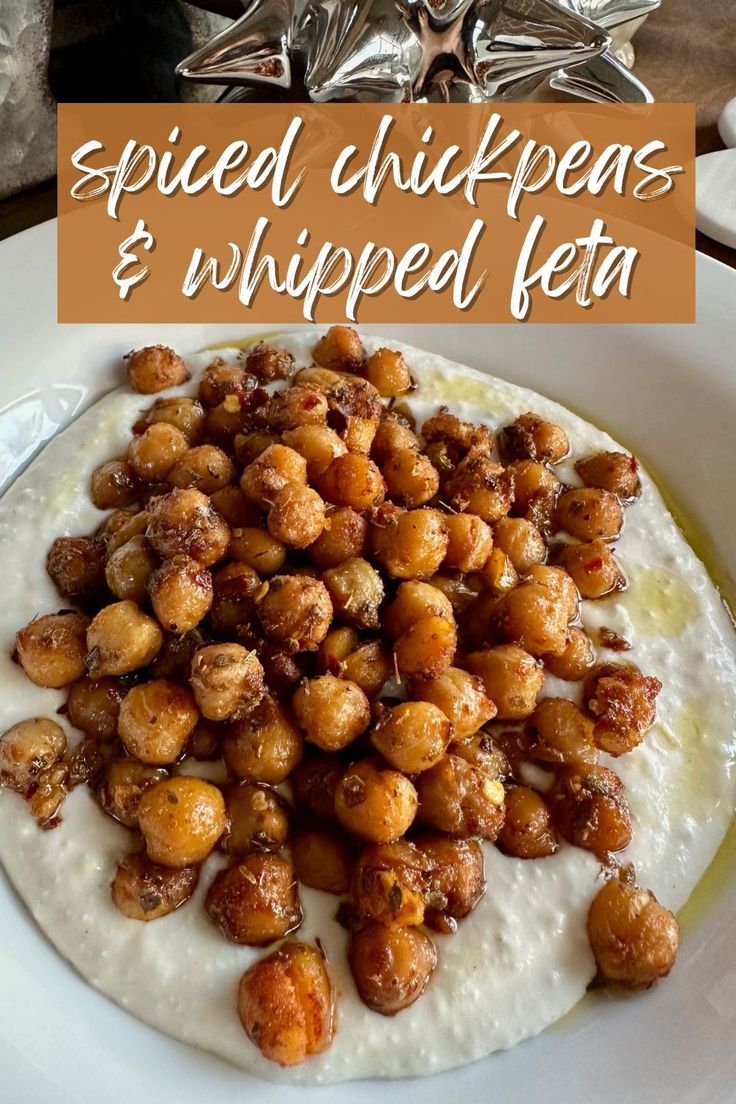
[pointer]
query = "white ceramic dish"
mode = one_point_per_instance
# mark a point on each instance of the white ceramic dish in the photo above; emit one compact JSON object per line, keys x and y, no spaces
{"x":666,"y":392}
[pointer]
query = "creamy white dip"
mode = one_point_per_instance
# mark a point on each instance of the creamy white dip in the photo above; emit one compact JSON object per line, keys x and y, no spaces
{"x":521,"y":960}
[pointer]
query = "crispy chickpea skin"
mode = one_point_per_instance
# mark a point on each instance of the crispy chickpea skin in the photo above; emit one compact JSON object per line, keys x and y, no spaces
{"x":205,"y":467}
{"x":76,"y":566}
{"x":257,"y":819}
{"x":296,"y":516}
{"x":470,"y":542}
{"x":344,"y":537}
{"x":144,"y":890}
{"x":27,"y":749}
{"x":267,"y":363}
{"x":512,"y":679}
{"x":356,"y":591}
{"x":480,"y":486}
{"x":482,"y":751}
{"x":114,"y":485}
{"x":391,"y":883}
{"x":255,"y":901}
{"x":389,"y":373}
{"x":622,"y":703}
{"x":414,"y":602}
{"x":286,"y":1005}
{"x":234,"y":507}
{"x":298,"y":405}
{"x":156,"y":720}
{"x":233,"y":587}
{"x":531,"y":616}
{"x":51,"y":649}
{"x":227,"y":681}
{"x":369,"y":665}
{"x":332,"y":711}
{"x":562,"y":734}
{"x":184,"y":414}
{"x":318,"y":444}
{"x":457,"y":880}
{"x":265,"y":746}
{"x":589,"y":513}
{"x":426,"y":649}
{"x":592,"y":567}
{"x":528,"y":831}
{"x":181,"y":820}
{"x":220,"y":379}
{"x":181,"y":593}
{"x":412,"y":736}
{"x":461,"y":697}
{"x":411,"y":478}
{"x":634,"y":939}
{"x":392,"y":434}
{"x":352,"y":480}
{"x":458,"y":437}
{"x":391,"y":966}
{"x":590,"y":810}
{"x":321,"y":860}
{"x":129,"y":568}
{"x":93,"y":705}
{"x":410,"y":544}
{"x":457,"y":798}
{"x":120,"y":639}
{"x":119,"y":526}
{"x":270,"y":472}
{"x":374,"y":803}
{"x":576,"y":660}
{"x":155,"y":452}
{"x":532,"y":438}
{"x":295,"y":612}
{"x":340,"y":350}
{"x":616,"y":472}
{"x":314,"y":783}
{"x":155,"y":368}
{"x":122,"y":786}
{"x":258,"y":549}
{"x":521,"y":541}
{"x":184,"y":523}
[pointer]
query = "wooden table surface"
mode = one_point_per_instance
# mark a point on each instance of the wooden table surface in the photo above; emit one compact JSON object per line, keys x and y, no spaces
{"x":686,"y":51}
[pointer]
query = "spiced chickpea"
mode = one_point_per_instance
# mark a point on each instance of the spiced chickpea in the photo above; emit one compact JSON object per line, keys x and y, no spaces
{"x":559,"y":583}
{"x":181,"y":593}
{"x":181,"y":820}
{"x":27,"y":750}
{"x":318,"y":444}
{"x":592,"y":567}
{"x":528,"y":831}
{"x":320,"y":378}
{"x":51,"y":649}
{"x":589,"y":513}
{"x":340,"y":350}
{"x":391,"y":435}
{"x":234,"y":507}
{"x":457,"y":880}
{"x":355,"y":411}
{"x":512,"y":679}
{"x":258,"y":549}
{"x":634,"y":939}
{"x":478,"y":629}
{"x":356,"y":590}
{"x":184,"y":523}
{"x":265,"y":746}
{"x":220,"y":379}
{"x":93,"y":706}
{"x":469,"y":542}
{"x":375,"y":803}
{"x":122,"y":786}
{"x":345,"y":535}
{"x":144,"y":890}
{"x":233,"y":587}
{"x":155,"y":721}
{"x":76,"y":566}
{"x":389,"y":373}
{"x":255,"y":901}
{"x":257,"y":819}
{"x":284,"y":670}
{"x":480,"y":486}
{"x":249,"y":446}
{"x":457,"y":437}
{"x":174,"y":659}
{"x":129,"y":568}
{"x":205,"y":742}
{"x":205,"y":467}
{"x":321,"y":860}
{"x":120,"y":526}
{"x":576,"y":660}
{"x":352,"y":480}
{"x":391,"y":883}
{"x":411,"y":478}
{"x":270,"y":472}
{"x":155,"y":452}
{"x":460,"y":590}
{"x":114,"y":485}
{"x":155,"y":368}
{"x":415,"y":601}
{"x":391,"y":966}
{"x":533,"y":438}
{"x":616,"y":472}
{"x":412,"y":736}
{"x":297,"y":515}
{"x":227,"y":681}
{"x":457,"y":798}
{"x":267,"y":363}
{"x":369,"y":666}
{"x":314,"y":782}
{"x":286,"y":1005}
{"x":521,"y":541}
{"x":332,"y":711}
{"x":622,"y":703}
{"x":182,"y":413}
{"x":410,"y":544}
{"x":295,"y":612}
{"x":483,"y":752}
{"x":532,"y":616}
{"x":298,"y":405}
{"x":225,"y":423}
{"x":426,"y":649}
{"x":461,"y":697}
{"x":120,"y":639}
{"x":590,"y":810}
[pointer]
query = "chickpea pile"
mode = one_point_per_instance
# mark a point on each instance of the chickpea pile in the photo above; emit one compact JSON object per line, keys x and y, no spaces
{"x":357,"y":615}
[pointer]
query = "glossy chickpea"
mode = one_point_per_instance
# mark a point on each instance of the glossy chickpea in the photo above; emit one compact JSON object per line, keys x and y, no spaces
{"x":392,"y":434}
{"x":296,"y":406}
{"x":512,"y":679}
{"x":174,"y":659}
{"x":535,"y":490}
{"x":51,"y":649}
{"x":270,"y":472}
{"x":227,"y":681}
{"x":369,"y":666}
{"x":258,"y":549}
{"x":457,"y":875}
{"x":265,"y":746}
{"x":389,"y":373}
{"x":120,"y":526}
{"x":483,"y":752}
{"x":257,"y":819}
{"x":320,"y":378}
{"x":461,"y":697}
{"x":426,"y":649}
{"x":155,"y":452}
{"x":411,"y":478}
{"x":528,"y":831}
{"x":531,"y":616}
{"x":286,"y":1005}
{"x":225,"y":423}
{"x":634,"y":939}
{"x":576,"y":660}
{"x":414,"y":602}
{"x":457,"y":798}
{"x":321,"y":860}
{"x":205,"y":467}
{"x":590,"y":810}
{"x":460,"y":590}
{"x":156,"y":720}
{"x":182,"y":413}
{"x":332,"y":711}
{"x":155,"y":368}
{"x":295,"y":612}
{"x":205,"y":742}
{"x":284,"y":670}
{"x":120,"y":639}
{"x":340,"y":350}
{"x":114,"y":485}
{"x":296,"y":516}
{"x":221,"y":379}
{"x":249,"y":446}
{"x":233,"y":589}
{"x":521,"y":541}
{"x":93,"y":705}
{"x":352,"y":480}
{"x":616,"y":472}
{"x":181,"y":820}
{"x":318,"y":444}
{"x":533,"y":438}
{"x":355,"y":411}
{"x":470,"y":542}
{"x":457,"y":437}
{"x":560,"y":585}
{"x":391,"y":966}
{"x":314,"y":782}
{"x":267,"y":363}
{"x":27,"y":750}
{"x":622,"y":703}
{"x":589,"y":514}
{"x":122,"y":786}
{"x":129,"y":568}
{"x":480,"y":486}
{"x":184,"y":523}
{"x":357,"y":591}
{"x":391,"y":883}
{"x":144,"y":890}
{"x":592,"y":567}
{"x":255,"y":901}
{"x":234,"y":507}
{"x":412,"y":736}
{"x":410,"y":544}
{"x":344,"y":537}
{"x":181,"y":594}
{"x":76,"y":566}
{"x":375,"y":803}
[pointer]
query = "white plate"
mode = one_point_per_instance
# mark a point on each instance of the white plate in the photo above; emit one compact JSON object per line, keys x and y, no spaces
{"x":667,"y":392}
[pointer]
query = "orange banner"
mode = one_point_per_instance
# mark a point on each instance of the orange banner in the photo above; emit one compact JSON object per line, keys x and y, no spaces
{"x":408,"y":213}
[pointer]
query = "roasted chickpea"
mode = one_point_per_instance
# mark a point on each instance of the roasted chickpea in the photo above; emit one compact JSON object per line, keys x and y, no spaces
{"x":255,"y":901}
{"x":457,"y":874}
{"x":120,"y":639}
{"x":296,"y":406}
{"x":369,"y":666}
{"x":340,"y":350}
{"x":521,"y":541}
{"x":184,"y":414}
{"x":410,"y":544}
{"x":144,"y":890}
{"x":249,"y":446}
{"x":314,"y":782}
{"x":532,"y":616}
{"x":284,"y":670}
{"x":117,"y":529}
{"x":622,"y":703}
{"x":634,"y":939}
{"x":374,"y":803}
{"x":460,"y":590}
{"x":184,"y":523}
{"x":27,"y":750}
{"x":295,"y":612}
{"x":480,"y":486}
{"x":391,"y":435}
{"x":592,"y":567}
{"x":532,"y":438}
{"x":285,"y":1004}
{"x":355,"y":411}
{"x":270,"y":472}
{"x":155,"y":368}
{"x":267,"y":363}
{"x":332,"y":711}
{"x":590,"y":514}
{"x":93,"y":706}
{"x":426,"y":649}
{"x":461,"y":697}
{"x":391,"y":966}
{"x":297,"y":515}
{"x":257,"y":549}
{"x":181,"y":593}
{"x":470,"y":542}
{"x":457,"y":798}
{"x":76,"y":566}
{"x":156,"y":451}
{"x":234,"y":507}
{"x":129,"y":568}
{"x":528,"y":831}
{"x":232,"y":606}
{"x":414,"y":602}
{"x":412,"y":736}
{"x":317,"y":444}
{"x":227,"y":681}
{"x":51,"y":649}
{"x":411,"y":478}
{"x":265,"y":746}
{"x":174,"y":659}
{"x":616,"y":472}
{"x":344,"y":537}
{"x":352,"y":480}
{"x":457,"y":437}
{"x":205,"y":467}
{"x":320,"y":378}
{"x":482,"y":751}
{"x":321,"y":860}
{"x":590,"y":809}
{"x":257,"y":819}
{"x":389,"y":373}
{"x":221,"y":379}
{"x":512,"y":679}
{"x":535,"y":491}
{"x":181,"y":820}
{"x":156,"y":719}
{"x":356,"y":590}
{"x":576,"y":660}
{"x":205,"y":742}
{"x":122,"y":787}
{"x":391,"y":883}
{"x":114,"y":485}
